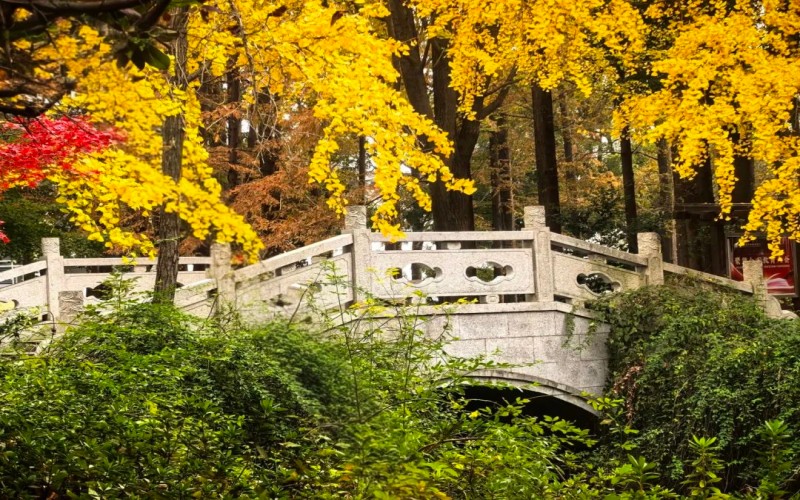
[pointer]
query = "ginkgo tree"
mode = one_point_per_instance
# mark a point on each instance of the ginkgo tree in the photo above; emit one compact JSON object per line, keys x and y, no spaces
{"x":303,"y":51}
{"x":730,"y":87}
{"x":473,"y":53}
{"x":416,"y":78}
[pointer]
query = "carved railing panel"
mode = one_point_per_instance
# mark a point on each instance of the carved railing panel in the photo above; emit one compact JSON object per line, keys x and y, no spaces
{"x":21,"y":274}
{"x":287,"y":291}
{"x":584,"y":279}
{"x":597,"y":253}
{"x":712,"y":279}
{"x":456,"y":240}
{"x":453,"y":272}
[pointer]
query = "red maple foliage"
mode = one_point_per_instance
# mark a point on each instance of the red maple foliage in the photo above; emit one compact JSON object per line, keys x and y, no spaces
{"x":30,"y":149}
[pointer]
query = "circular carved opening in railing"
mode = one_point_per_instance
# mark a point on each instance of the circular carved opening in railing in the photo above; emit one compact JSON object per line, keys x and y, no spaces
{"x":598,"y":283}
{"x":415,"y":273}
{"x":489,"y":272}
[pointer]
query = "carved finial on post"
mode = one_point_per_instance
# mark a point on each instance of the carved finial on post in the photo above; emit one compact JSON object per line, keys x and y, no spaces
{"x":649,"y":244}
{"x":222,"y":273}
{"x":650,"y":247}
{"x":534,"y":217}
{"x":51,"y":247}
{"x":753,"y":271}
{"x":355,"y":217}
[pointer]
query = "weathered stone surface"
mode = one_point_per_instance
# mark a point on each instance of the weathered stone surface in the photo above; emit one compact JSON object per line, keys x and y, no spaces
{"x":531,"y":323}
{"x":517,"y":350}
{"x":554,"y":348}
{"x":593,"y":346}
{"x":355,"y":217}
{"x":476,"y":326}
{"x":533,"y":217}
{"x":466,"y":348}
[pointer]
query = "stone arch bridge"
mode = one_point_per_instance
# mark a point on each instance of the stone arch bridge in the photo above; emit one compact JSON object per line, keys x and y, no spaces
{"x":527,"y":289}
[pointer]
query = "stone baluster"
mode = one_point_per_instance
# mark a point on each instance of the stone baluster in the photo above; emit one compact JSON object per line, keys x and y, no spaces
{"x":650,"y":248}
{"x":51,"y":249}
{"x":222,"y":272}
{"x":534,"y":220}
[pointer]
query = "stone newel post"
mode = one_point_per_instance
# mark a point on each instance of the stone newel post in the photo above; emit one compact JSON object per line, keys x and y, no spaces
{"x":51,"y":248}
{"x":355,"y":222}
{"x":222,"y":273}
{"x":753,"y":273}
{"x":650,"y":247}
{"x":534,"y":220}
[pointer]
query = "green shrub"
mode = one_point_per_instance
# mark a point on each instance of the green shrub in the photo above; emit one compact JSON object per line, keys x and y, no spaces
{"x":143,"y":401}
{"x":692,"y":362}
{"x":149,"y":402}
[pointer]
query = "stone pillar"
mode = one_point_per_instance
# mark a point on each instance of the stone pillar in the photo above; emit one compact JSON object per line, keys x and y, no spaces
{"x":650,"y":247}
{"x":753,"y":273}
{"x":51,"y":249}
{"x":355,"y":223}
{"x":534,"y":219}
{"x":222,"y":273}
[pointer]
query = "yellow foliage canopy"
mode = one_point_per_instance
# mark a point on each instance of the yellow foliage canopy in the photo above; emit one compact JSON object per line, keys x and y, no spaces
{"x":732,"y":75}
{"x":309,"y":53}
{"x":543,"y":41}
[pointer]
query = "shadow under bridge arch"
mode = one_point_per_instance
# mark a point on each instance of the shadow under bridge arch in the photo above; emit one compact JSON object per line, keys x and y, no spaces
{"x":547,"y":397}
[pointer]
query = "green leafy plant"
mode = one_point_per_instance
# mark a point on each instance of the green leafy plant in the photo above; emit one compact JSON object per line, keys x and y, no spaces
{"x":688,"y":361}
{"x":775,"y":457}
{"x":705,"y":469}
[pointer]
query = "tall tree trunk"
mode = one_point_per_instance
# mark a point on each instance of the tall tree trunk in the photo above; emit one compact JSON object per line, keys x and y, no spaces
{"x":666,"y":201}
{"x":463,"y":215}
{"x":445,"y":103}
{"x":629,"y":190}
{"x":546,"y":163}
{"x":362,"y":167}
{"x":566,"y":129}
{"x":743,"y":169}
{"x":171,"y":160}
{"x":452,"y":211}
{"x":500,"y":164}
{"x":269,"y":155}
{"x":700,"y":237}
{"x":234,"y":123}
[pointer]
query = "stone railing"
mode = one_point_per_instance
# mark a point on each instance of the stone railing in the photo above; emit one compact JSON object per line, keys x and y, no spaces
{"x":57,"y":286}
{"x":532,"y":265}
{"x":528,"y":266}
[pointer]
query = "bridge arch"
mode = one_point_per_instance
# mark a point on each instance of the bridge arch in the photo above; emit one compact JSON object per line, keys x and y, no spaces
{"x":535,"y":384}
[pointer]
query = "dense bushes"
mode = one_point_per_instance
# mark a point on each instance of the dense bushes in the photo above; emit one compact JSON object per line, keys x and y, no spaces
{"x":146,"y":402}
{"x":692,"y":362}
